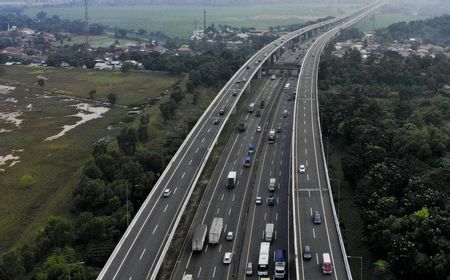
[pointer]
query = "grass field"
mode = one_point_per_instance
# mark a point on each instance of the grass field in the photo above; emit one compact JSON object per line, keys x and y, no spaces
{"x":103,"y":41}
{"x":179,"y":20}
{"x":56,"y":165}
{"x":385,"y":19}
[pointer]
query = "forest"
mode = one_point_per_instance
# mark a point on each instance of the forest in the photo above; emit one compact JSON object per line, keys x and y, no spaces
{"x":389,"y":117}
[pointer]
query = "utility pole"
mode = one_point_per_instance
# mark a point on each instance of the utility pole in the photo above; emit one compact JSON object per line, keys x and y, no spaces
{"x":86,"y":23}
{"x":204,"y":21}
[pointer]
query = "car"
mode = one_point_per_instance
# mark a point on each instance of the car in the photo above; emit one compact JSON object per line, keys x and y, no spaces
{"x":301,"y":169}
{"x":316,"y":218}
{"x":215,"y":121}
{"x":313,"y":55}
{"x":227,"y":258}
{"x":256,"y":62}
{"x":230,"y":236}
{"x":167,"y":192}
{"x":244,"y":79}
{"x":249,"y":269}
{"x":258,"y":113}
{"x":279,"y":129}
{"x":258,"y":200}
{"x":258,"y":128}
{"x":248,"y":67}
{"x":188,"y":277}
{"x":222,"y":112}
{"x":307,"y":253}
{"x":271,"y":200}
{"x":234,"y":93}
{"x":238,"y":81}
{"x":292,"y":78}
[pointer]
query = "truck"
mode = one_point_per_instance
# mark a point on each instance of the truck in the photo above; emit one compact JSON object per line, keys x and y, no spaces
{"x":251,"y":149}
{"x":231,"y":180}
{"x":271,"y":137}
{"x":215,"y":230}
{"x":272,"y":182}
{"x":268,"y":233}
{"x":287,"y":87}
{"x":242,"y":126}
{"x":251,"y":108}
{"x":199,"y":237}
{"x":273,"y":77}
{"x":247,"y":161}
{"x":263,"y":260}
{"x":280,"y":263}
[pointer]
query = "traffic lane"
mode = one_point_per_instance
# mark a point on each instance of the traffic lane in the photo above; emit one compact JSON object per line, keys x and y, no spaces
{"x":241,"y":142}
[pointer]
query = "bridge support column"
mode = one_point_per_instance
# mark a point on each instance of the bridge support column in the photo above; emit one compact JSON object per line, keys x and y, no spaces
{"x":259,"y":74}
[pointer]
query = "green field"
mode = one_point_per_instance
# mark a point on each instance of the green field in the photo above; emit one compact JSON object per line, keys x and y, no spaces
{"x":384,"y":20}
{"x":56,"y":165}
{"x":179,"y":20}
{"x":103,"y":41}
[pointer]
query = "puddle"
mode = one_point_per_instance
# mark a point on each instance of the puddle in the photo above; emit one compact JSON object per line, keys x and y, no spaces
{"x":86,"y":112}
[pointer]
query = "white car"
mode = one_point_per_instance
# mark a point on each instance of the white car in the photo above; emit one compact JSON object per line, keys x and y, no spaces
{"x":258,"y":129}
{"x":230,"y":236}
{"x":167,"y":192}
{"x":258,"y":200}
{"x":301,"y":169}
{"x":227,"y":258}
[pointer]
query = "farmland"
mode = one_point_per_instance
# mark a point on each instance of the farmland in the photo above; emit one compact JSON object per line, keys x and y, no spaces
{"x":41,"y":181}
{"x":180,"y":20}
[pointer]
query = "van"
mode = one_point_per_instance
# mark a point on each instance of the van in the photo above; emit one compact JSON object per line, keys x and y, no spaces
{"x":268,"y":233}
{"x":327,"y":266}
{"x":272,"y":182}
{"x":285,"y":113}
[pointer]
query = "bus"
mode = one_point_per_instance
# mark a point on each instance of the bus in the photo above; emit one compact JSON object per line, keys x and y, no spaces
{"x":271,"y":138}
{"x":327,"y":266}
{"x":263,"y":261}
{"x":287,"y":87}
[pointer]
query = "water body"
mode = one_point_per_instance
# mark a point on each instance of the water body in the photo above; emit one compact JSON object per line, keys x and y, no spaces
{"x":87,"y":112}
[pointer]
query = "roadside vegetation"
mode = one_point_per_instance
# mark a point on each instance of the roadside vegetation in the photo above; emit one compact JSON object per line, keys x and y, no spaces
{"x":388,"y":124}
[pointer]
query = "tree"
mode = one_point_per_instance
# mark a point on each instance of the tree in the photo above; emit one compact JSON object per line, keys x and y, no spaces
{"x":167,"y":109}
{"x":58,"y":232}
{"x":127,"y":140}
{"x":126,"y":67}
{"x":11,"y":265}
{"x":41,"y":82}
{"x":92,"y":94}
{"x":112,"y":98}
{"x":91,"y":194}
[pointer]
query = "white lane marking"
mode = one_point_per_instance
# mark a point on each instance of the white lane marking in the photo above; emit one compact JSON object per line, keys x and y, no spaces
{"x":279,"y":173}
{"x":270,"y":173}
{"x":196,"y":151}
{"x":189,"y":260}
{"x":235,"y":161}
{"x":206,"y":249}
{"x":142,"y":254}
{"x":175,"y":190}
{"x":182,"y":176}
{"x":229,"y":212}
{"x":275,"y":234}
{"x":265,"y":216}
{"x":155,"y":230}
{"x":278,"y":185}
{"x":306,"y":162}
{"x":218,"y":209}
{"x":222,"y":196}
{"x":190,"y":162}
{"x":307,"y":177}
{"x":225,"y":228}
{"x":305,"y":139}
{"x":276,"y":216}
{"x":199,"y":271}
{"x":203,"y":140}
{"x":304,"y":130}
{"x":317,"y":258}
{"x":281,"y":162}
{"x":271,"y":162}
{"x":209,"y":129}
{"x":234,"y":195}
{"x":241,"y":144}
{"x":165,"y":208}
{"x":306,"y":151}
{"x":273,"y":152}
{"x":282,"y":152}
{"x":220,"y":248}
{"x":214,"y":272}
{"x":310,"y":210}
{"x":131,"y":277}
{"x":242,"y":171}
{"x":309,"y":194}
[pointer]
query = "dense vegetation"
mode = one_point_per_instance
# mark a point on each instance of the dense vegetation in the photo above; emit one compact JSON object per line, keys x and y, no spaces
{"x":389,"y":116}
{"x":432,"y":31}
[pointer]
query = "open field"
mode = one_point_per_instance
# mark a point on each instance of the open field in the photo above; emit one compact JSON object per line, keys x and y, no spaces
{"x":55,"y":166}
{"x":179,"y":20}
{"x":384,"y":20}
{"x":103,"y":41}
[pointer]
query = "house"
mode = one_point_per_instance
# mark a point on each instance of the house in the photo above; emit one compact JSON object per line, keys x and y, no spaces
{"x":159,"y":50}
{"x":27,"y":31}
{"x":49,"y":36}
{"x":102,"y":66}
{"x":184,"y":50}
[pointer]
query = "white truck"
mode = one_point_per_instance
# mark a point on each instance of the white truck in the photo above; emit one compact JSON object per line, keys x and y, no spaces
{"x":215,"y":230}
{"x":231,"y":180}
{"x":251,"y":108}
{"x":199,"y":237}
{"x":268,"y":233}
{"x":271,"y":137}
{"x":273,"y":77}
{"x":272,"y":182}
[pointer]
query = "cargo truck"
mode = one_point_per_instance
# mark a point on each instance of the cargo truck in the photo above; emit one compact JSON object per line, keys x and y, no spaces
{"x":272,"y":182}
{"x":280,"y":263}
{"x":271,"y":137}
{"x":215,"y":230}
{"x":268,"y":233}
{"x":231,"y":180}
{"x":263,"y":260}
{"x":199,"y":237}
{"x":251,"y":108}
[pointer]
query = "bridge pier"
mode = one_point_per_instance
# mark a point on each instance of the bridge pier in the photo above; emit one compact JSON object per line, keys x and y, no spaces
{"x":259,"y":74}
